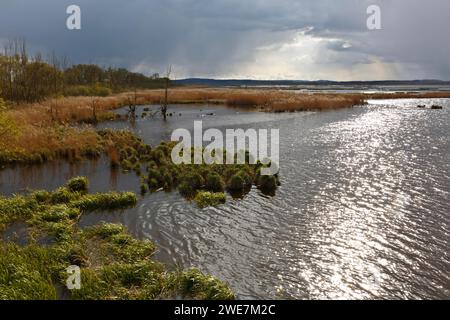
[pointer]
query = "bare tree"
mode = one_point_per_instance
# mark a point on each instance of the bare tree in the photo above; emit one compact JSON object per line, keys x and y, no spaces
{"x":132,"y":102}
{"x":132,"y":99}
{"x":165,"y":103}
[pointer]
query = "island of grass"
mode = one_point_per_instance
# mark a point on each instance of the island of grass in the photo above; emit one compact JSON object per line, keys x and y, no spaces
{"x":113,"y":264}
{"x":204,"y":183}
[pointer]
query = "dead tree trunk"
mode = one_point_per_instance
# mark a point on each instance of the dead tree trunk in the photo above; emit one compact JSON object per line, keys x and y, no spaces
{"x":166,"y":94}
{"x":131,"y":108}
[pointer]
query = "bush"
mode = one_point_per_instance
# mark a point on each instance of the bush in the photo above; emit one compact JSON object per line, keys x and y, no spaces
{"x":126,"y":165}
{"x":214,"y":182}
{"x":167,"y":180}
{"x":195,"y":180}
{"x":154,"y":174}
{"x":267,"y":183}
{"x":133,"y":159}
{"x":158,"y":156}
{"x":130,"y":152}
{"x":144,"y":188}
{"x":41,"y":195}
{"x":153,"y":183}
{"x":236,"y":183}
{"x":63,"y":195}
{"x":94,"y":90}
{"x":78,"y":184}
{"x":151,"y":165}
{"x":248,"y":181}
{"x":101,"y":91}
{"x":137,"y":169}
{"x":186,"y":190}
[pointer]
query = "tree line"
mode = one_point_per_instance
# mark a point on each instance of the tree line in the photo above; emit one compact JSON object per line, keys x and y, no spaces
{"x":31,"y":79}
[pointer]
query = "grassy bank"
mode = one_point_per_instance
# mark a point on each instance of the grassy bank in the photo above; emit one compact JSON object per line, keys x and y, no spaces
{"x":113,"y":264}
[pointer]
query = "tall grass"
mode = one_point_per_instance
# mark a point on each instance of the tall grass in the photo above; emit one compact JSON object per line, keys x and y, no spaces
{"x":268,"y":100}
{"x":35,"y":144}
{"x":80,"y":109}
{"x":42,"y":131}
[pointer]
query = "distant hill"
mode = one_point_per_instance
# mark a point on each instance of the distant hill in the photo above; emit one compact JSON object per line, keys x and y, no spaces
{"x":247,"y":82}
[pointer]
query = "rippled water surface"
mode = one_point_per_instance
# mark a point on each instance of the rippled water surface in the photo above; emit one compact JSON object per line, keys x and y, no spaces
{"x":363,"y":210}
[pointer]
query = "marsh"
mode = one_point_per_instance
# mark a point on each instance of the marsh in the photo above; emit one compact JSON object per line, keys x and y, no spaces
{"x":362,"y":211}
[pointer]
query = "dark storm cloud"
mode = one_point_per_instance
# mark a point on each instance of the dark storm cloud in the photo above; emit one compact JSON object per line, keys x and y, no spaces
{"x":251,"y":38}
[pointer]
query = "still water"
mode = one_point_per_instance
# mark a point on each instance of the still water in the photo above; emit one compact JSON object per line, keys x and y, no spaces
{"x":363,"y":211}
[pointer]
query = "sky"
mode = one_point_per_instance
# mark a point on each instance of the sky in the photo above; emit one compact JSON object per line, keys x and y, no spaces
{"x":251,"y":39}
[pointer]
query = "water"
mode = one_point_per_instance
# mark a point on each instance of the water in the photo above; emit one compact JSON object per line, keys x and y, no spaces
{"x":362,"y":213}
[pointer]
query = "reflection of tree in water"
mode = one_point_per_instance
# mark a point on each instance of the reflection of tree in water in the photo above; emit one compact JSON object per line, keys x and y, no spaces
{"x":131,"y":113}
{"x":132,"y":120}
{"x":113,"y":177}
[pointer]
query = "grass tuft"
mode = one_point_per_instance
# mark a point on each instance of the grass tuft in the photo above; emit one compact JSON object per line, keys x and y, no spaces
{"x":78,"y":184}
{"x":207,"y":199}
{"x":114,"y":265}
{"x":105,"y":201}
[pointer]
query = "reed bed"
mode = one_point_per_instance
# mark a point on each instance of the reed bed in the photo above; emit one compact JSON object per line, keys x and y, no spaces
{"x":81,"y":109}
{"x":267,"y":100}
{"x":88,"y":109}
{"x":39,"y":144}
{"x":40,"y":131}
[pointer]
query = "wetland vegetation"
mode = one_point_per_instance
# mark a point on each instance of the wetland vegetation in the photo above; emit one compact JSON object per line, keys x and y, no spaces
{"x":113,"y":264}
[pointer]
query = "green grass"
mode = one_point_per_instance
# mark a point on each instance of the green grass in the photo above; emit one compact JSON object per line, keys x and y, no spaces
{"x":78,"y":184}
{"x":16,"y":209}
{"x":214,"y":182}
{"x":105,"y":201}
{"x":190,"y":179}
{"x":157,"y":171}
{"x":209,"y":199}
{"x":25,"y":273}
{"x":113,"y":264}
{"x":203,"y":287}
{"x":268,"y":184}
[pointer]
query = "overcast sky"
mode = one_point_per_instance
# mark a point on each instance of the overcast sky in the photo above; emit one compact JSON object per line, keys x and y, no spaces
{"x":260,"y":39}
